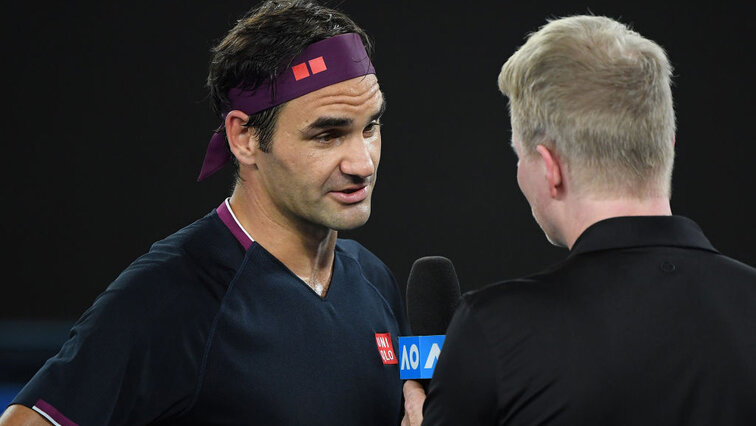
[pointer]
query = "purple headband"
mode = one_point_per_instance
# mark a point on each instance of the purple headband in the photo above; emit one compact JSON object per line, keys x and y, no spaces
{"x":321,"y":64}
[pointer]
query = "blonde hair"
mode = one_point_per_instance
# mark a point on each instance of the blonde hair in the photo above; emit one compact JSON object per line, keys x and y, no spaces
{"x":598,"y":94}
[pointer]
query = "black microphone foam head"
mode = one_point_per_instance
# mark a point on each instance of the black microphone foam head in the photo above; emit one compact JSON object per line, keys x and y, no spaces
{"x":432,"y":295}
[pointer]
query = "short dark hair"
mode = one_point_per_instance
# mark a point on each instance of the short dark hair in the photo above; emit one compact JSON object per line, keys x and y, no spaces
{"x":264,"y":42}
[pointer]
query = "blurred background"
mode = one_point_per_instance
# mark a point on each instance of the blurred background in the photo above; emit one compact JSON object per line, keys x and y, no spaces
{"x":107,"y":121}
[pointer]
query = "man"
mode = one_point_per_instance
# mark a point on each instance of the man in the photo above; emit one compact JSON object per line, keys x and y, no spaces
{"x":256,"y":313}
{"x":644,"y":322}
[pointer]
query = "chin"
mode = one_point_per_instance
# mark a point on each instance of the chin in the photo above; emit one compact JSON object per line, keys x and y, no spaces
{"x":553,"y":241}
{"x":554,"y":237}
{"x":347,"y":222}
{"x":348,"y":225}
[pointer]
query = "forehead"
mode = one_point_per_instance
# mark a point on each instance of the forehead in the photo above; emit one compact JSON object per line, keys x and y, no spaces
{"x":354,"y":97}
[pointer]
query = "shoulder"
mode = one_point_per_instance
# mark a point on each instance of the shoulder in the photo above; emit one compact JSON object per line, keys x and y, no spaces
{"x":736,"y":266}
{"x":510,"y":292}
{"x":186,"y":272}
{"x":530,"y":286}
{"x":201,"y":247}
{"x":206,"y":241}
{"x":166,"y":299}
{"x":542,"y":295}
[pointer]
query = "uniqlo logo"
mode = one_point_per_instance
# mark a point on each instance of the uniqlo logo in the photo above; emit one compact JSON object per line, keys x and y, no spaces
{"x":386,"y":348}
{"x":316,"y":65}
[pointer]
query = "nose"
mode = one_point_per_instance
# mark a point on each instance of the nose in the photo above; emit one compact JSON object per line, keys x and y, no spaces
{"x":360,"y":157}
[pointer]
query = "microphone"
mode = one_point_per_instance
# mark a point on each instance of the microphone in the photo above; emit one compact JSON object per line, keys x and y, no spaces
{"x":433,"y":294}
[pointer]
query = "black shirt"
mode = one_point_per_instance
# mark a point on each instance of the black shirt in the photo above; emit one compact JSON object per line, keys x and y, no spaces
{"x":644,"y":323}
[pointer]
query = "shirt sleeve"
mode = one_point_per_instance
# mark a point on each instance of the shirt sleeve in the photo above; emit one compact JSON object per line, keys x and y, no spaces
{"x":463,"y":388}
{"x":126,"y":362}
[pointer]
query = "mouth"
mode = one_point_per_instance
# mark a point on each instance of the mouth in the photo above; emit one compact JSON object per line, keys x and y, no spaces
{"x":351,"y":195}
{"x":352,"y":190}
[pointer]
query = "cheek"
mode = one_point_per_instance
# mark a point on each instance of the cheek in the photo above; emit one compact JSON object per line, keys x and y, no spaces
{"x":520,"y":177}
{"x":524,"y":181}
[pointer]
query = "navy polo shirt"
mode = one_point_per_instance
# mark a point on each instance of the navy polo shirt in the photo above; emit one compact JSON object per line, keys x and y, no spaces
{"x":202,"y":330}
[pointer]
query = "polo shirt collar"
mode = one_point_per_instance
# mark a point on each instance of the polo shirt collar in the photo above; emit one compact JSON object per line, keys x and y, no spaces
{"x":641,"y":231}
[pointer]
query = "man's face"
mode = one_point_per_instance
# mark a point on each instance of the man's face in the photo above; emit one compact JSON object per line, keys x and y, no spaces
{"x":322,"y":165}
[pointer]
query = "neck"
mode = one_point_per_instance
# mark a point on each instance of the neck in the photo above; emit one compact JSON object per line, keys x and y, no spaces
{"x":307,"y":250}
{"x":584,"y":212}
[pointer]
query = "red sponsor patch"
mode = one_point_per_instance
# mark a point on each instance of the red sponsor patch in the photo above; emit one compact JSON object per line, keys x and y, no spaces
{"x":317,"y":65}
{"x":300,"y":71}
{"x":386,"y":348}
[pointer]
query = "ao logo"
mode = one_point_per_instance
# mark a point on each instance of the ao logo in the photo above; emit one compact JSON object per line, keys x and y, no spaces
{"x":419,"y":355}
{"x":414,"y":357}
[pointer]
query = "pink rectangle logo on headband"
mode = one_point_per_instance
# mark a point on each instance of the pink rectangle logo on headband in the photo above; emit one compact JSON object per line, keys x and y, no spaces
{"x":300,"y":71}
{"x":316,"y":65}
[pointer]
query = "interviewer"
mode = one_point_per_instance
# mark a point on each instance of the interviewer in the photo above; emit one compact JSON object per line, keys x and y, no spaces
{"x":644,"y":322}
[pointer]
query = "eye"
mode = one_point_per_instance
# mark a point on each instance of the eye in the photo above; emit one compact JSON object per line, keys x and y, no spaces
{"x":372,"y":128}
{"x":325,"y":137}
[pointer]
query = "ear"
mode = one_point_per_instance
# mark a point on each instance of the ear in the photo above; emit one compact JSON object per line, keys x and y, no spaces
{"x":552,"y":168}
{"x":241,"y":139}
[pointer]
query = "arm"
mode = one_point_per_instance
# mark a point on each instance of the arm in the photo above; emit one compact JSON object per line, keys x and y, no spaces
{"x":118,"y":355}
{"x":463,"y":389}
{"x":18,"y":415}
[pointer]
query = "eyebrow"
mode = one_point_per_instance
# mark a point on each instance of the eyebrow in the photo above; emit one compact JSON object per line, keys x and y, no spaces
{"x":330,"y":122}
{"x":381,"y":110}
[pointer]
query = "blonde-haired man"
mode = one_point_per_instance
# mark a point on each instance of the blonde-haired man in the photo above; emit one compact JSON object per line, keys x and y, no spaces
{"x":644,"y":322}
